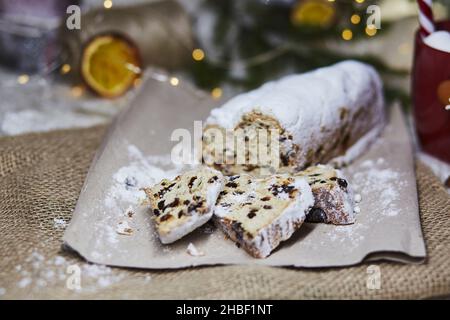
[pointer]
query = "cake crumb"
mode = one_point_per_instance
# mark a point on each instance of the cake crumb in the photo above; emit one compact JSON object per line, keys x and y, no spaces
{"x":193,"y":251}
{"x":124,"y":228}
{"x":129,"y":212}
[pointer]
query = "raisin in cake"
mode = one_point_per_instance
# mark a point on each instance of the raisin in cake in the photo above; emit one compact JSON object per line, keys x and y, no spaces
{"x":258,"y":214}
{"x":185,"y":203}
{"x":333,"y":196}
{"x":332,"y":113}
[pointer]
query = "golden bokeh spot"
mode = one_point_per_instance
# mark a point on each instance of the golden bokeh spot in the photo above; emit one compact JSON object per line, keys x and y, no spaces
{"x":198,"y":54}
{"x":107,"y":4}
{"x":137,"y":82}
{"x":216,"y":93}
{"x":23,"y":78}
{"x":347,"y":34}
{"x":314,"y":13}
{"x":77,"y":91}
{"x":359,"y":1}
{"x":174,"y":81}
{"x":371,"y":30}
{"x":355,"y":19}
{"x":65,"y":68}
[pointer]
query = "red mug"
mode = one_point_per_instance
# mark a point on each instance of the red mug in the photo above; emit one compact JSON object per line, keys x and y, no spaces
{"x":431,"y":95}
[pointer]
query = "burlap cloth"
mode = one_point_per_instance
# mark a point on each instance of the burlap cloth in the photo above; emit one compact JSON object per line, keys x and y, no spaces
{"x":41,"y":176}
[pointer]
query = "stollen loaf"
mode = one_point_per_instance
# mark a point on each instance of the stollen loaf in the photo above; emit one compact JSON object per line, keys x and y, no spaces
{"x":330,"y":115}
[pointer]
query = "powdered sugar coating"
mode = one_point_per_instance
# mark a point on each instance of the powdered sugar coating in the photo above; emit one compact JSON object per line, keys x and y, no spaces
{"x":310,"y":105}
{"x":183,"y":204}
{"x":292,"y":216}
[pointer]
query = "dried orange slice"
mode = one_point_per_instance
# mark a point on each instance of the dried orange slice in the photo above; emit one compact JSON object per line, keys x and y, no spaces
{"x":110,"y":64}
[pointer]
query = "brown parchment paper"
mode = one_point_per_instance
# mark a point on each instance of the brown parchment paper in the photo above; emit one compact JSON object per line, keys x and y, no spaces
{"x":384,"y":229}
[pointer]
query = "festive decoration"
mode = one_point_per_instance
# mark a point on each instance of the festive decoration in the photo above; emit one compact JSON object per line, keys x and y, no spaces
{"x":160,"y":33}
{"x":110,"y":65}
{"x":250,"y":42}
{"x":313,"y":13}
{"x":426,"y":17}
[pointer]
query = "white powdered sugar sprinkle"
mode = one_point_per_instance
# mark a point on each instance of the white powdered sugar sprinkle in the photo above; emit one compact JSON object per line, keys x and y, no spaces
{"x":59,"y":223}
{"x":37,"y":272}
{"x":373,"y":177}
{"x":141,"y":172}
{"x":125,"y":199}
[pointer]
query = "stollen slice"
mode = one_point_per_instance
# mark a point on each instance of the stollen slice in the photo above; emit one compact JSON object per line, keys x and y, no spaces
{"x":183,"y":204}
{"x":259,"y":213}
{"x":333,"y":195}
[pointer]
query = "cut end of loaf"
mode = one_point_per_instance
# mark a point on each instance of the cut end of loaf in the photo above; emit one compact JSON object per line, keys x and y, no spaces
{"x":318,"y":116}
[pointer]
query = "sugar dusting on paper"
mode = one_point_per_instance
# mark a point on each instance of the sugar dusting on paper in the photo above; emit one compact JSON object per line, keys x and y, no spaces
{"x":141,"y":172}
{"x":122,"y":200}
{"x":374,"y":177}
{"x":37,"y":272}
{"x":125,"y":198}
{"x":369,"y":177}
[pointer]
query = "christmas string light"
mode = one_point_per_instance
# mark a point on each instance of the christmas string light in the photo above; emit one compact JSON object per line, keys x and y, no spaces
{"x":216,"y":93}
{"x":23,"y":79}
{"x":347,"y":34}
{"x":198,"y":54}
{"x":107,"y":4}
{"x":355,"y":19}
{"x":371,"y":30}
{"x":174,"y":81}
{"x":77,"y":91}
{"x":65,"y":68}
